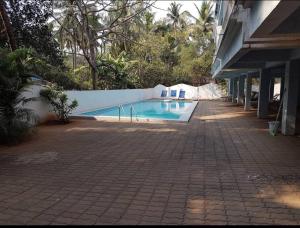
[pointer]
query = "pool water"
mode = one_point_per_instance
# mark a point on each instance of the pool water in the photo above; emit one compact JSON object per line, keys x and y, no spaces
{"x":150,"y":109}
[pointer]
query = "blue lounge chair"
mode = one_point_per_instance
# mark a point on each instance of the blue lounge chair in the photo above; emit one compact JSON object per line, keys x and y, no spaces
{"x":173,"y":93}
{"x":181,"y":94}
{"x":163,"y":93}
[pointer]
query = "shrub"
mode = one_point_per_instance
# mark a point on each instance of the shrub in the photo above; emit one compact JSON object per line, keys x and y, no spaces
{"x":58,"y":100}
{"x":15,"y":120}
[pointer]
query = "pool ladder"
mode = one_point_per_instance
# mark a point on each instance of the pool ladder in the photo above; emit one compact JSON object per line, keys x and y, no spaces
{"x":121,"y":107}
{"x":131,"y":112}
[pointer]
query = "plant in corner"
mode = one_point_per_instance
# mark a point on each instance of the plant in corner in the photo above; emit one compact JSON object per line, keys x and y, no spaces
{"x":16,"y":121}
{"x":58,"y":100}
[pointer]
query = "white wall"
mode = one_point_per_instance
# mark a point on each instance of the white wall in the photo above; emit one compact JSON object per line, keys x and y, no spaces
{"x":39,"y":108}
{"x":208,"y":91}
{"x":89,"y":100}
{"x":190,"y":91}
{"x":94,"y":99}
{"x":156,"y":91}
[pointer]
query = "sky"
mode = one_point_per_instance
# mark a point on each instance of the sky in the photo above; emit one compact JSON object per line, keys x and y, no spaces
{"x":186,"y":5}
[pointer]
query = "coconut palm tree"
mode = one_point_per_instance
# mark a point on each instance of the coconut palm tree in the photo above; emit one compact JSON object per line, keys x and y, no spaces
{"x":205,"y":18}
{"x":148,"y":18}
{"x":126,"y":33}
{"x":68,"y":30}
{"x":177,"y":18}
{"x":174,"y":14}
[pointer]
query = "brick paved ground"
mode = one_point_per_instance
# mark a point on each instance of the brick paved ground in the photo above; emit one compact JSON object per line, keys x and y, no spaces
{"x":221,"y":168}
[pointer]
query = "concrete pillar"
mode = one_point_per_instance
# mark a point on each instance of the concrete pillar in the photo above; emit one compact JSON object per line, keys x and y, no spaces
{"x":263,"y":96}
{"x":241,"y":86}
{"x":234,"y":90}
{"x":230,"y":86}
{"x":290,"y":97}
{"x":271,"y":88}
{"x":247,"y":105}
{"x":281,"y":86}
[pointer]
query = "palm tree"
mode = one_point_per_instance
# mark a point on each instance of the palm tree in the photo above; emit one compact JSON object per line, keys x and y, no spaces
{"x":149,"y":17}
{"x":174,"y":14}
{"x":162,"y":27}
{"x":205,"y":18}
{"x":177,"y":18}
{"x":128,"y":32}
{"x":67,"y":31}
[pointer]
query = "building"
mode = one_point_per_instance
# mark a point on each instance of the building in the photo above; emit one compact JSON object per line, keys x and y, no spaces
{"x":260,"y":39}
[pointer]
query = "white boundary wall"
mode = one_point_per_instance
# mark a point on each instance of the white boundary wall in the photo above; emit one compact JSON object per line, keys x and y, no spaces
{"x":40,"y":109}
{"x":206,"y":92}
{"x":89,"y":100}
{"x":95,"y":99}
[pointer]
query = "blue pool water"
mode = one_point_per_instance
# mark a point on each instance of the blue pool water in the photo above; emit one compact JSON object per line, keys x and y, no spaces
{"x":152,"y":109}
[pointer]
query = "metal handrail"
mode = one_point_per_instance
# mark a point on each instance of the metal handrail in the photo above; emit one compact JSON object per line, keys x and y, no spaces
{"x":121,"y":107}
{"x":131,"y":113}
{"x":132,"y":110}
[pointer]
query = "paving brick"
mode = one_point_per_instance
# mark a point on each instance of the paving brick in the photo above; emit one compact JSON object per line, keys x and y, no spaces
{"x":128,"y":222}
{"x":222,"y":167}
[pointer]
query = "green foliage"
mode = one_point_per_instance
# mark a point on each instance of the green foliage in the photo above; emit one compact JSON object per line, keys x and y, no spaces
{"x":148,"y":21}
{"x":57,"y":75}
{"x":31,"y":30}
{"x":148,"y":75}
{"x":58,"y":100}
{"x":135,"y":52}
{"x":176,"y":57}
{"x":15,"y":120}
{"x":177,"y":19}
{"x":223,"y":85}
{"x":81,"y":77}
{"x":112,"y":72}
{"x":29,"y":61}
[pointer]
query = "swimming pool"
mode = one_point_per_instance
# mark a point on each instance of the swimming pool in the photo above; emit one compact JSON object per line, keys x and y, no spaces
{"x":179,"y":110}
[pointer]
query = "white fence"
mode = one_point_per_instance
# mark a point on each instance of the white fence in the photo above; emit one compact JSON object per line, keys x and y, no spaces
{"x":96,"y":99}
{"x":206,"y":92}
{"x":38,"y":107}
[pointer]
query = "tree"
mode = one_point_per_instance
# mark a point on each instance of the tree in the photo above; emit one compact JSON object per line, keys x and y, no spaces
{"x":89,"y":33}
{"x":205,"y":19}
{"x":29,"y":20}
{"x":66,"y":39}
{"x":174,"y":14}
{"x":148,"y":21}
{"x":15,"y":71}
{"x":109,"y":33}
{"x":162,"y":28}
{"x":176,"y":18}
{"x":154,"y":58}
{"x":7,"y":27}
